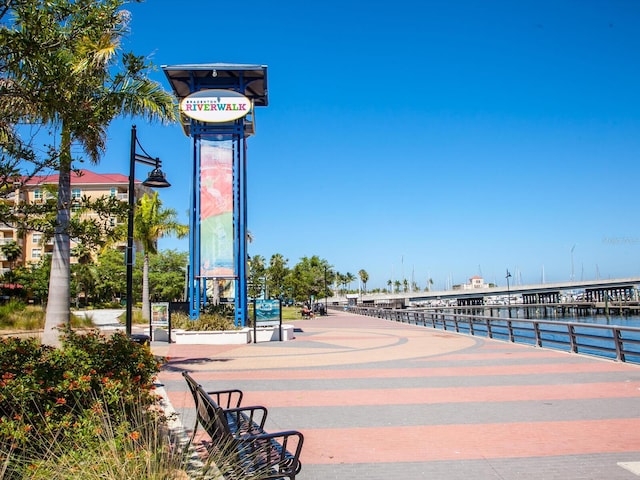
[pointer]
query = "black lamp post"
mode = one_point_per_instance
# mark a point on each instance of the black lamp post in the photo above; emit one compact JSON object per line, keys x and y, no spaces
{"x":157,"y":180}
{"x":508,"y":293}
{"x":326,"y":293}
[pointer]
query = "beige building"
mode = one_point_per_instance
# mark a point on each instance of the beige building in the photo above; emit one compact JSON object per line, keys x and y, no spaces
{"x":39,"y":188}
{"x":474,"y":282}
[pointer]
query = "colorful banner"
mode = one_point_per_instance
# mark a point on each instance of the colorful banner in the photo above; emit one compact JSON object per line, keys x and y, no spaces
{"x":216,"y":208}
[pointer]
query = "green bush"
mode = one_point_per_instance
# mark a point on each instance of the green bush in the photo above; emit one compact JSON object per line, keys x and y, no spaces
{"x":206,"y":322}
{"x":61,"y":396}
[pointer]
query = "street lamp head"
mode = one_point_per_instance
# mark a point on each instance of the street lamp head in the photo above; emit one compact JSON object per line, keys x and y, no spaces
{"x":156,"y":179}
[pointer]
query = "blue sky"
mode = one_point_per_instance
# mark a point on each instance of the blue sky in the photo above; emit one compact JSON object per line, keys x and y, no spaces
{"x":435,"y":139}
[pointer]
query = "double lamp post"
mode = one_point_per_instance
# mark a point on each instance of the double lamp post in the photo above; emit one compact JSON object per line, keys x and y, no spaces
{"x":156,"y":179}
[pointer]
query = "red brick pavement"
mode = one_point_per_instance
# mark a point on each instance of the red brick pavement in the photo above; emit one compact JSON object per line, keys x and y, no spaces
{"x":377,"y":399}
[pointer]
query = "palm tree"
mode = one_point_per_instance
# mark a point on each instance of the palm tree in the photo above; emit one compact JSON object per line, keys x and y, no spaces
{"x":364,"y":278}
{"x":348,"y":278}
{"x":150,"y":223}
{"x":63,"y":71}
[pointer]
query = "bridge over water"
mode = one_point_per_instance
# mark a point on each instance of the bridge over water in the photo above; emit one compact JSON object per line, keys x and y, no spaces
{"x":595,"y":291}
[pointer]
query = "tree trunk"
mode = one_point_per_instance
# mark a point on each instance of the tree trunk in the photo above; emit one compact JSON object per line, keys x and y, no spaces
{"x":59,"y":303}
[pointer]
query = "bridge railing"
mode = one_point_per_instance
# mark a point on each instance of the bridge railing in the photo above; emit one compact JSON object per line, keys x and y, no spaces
{"x":611,"y":341}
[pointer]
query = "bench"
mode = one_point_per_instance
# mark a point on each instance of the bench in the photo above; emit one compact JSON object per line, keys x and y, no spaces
{"x":238,"y":437}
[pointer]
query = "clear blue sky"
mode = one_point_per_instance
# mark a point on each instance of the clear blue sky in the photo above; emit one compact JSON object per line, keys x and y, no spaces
{"x":439,"y":139}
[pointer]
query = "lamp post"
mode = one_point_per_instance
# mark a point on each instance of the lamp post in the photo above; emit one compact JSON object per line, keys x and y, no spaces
{"x":326,"y":293}
{"x":156,"y":179}
{"x":508,"y":293}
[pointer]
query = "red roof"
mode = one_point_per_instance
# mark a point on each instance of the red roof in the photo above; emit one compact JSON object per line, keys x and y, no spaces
{"x":83,"y":177}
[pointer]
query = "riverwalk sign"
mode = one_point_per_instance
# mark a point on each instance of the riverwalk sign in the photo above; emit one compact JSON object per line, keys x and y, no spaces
{"x":217,"y":105}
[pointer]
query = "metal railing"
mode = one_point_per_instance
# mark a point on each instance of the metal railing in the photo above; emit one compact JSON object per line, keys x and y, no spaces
{"x":611,"y":341}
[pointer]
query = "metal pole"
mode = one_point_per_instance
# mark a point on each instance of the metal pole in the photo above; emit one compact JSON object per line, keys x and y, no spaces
{"x":132,"y":163}
{"x":326,"y":294}
{"x":508,"y":294}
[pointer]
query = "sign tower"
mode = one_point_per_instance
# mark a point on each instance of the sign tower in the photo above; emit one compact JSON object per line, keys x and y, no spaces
{"x":217,"y":103}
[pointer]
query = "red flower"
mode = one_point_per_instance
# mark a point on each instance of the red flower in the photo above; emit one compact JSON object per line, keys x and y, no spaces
{"x":60,"y":401}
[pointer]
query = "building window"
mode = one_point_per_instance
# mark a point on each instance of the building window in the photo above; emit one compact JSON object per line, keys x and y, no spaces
{"x":113,"y":192}
{"x":37,"y":194}
{"x":36,"y":238}
{"x":36,"y":253}
{"x":76,"y":197}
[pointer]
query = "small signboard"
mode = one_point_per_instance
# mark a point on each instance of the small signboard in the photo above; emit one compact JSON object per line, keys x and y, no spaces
{"x":160,"y":314}
{"x":267,"y":313}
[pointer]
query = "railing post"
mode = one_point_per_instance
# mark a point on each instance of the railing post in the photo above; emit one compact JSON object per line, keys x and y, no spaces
{"x":572,"y":338}
{"x":510,"y":329}
{"x":536,"y":330}
{"x":617,"y":338}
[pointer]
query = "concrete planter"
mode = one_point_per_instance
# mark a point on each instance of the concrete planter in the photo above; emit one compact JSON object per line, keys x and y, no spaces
{"x":218,"y":337}
{"x":272,"y":333}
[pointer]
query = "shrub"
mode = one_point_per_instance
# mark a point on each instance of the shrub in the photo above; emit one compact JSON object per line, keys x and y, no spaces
{"x":60,"y":397}
{"x":206,"y":322}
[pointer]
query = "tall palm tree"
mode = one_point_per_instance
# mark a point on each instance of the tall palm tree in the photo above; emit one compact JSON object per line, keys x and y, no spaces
{"x":364,"y":278}
{"x":64,"y":71}
{"x":150,"y":223}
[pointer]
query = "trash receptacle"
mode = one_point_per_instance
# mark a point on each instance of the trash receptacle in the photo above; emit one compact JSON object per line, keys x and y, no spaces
{"x":140,"y":338}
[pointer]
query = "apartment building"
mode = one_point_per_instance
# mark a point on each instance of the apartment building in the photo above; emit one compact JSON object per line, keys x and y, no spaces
{"x":38,"y":189}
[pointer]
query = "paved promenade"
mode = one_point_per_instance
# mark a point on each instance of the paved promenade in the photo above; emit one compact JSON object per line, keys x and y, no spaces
{"x":381,"y":400}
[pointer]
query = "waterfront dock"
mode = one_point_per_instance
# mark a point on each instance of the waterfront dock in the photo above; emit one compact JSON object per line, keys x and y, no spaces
{"x":377,"y":399}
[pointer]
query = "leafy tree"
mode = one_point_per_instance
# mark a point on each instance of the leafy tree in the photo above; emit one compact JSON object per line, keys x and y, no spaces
{"x":307,"y":279}
{"x":12,"y":252}
{"x":256,"y":276}
{"x":167,"y":275}
{"x":60,"y":68}
{"x":389,"y":284}
{"x":276,"y":275}
{"x":364,"y":278}
{"x":111,"y":276}
{"x":35,"y":277}
{"x":83,"y":273}
{"x":152,"y":222}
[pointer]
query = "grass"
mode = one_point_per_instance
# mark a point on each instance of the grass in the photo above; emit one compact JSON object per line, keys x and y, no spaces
{"x":16,"y":315}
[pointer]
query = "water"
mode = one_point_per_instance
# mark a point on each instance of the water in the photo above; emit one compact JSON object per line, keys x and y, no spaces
{"x":610,"y":320}
{"x":588,"y":340}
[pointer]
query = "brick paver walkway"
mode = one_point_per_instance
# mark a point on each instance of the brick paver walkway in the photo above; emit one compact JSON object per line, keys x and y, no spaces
{"x":379,"y":400}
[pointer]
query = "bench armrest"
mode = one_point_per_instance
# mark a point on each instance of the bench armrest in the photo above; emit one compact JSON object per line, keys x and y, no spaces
{"x":245,"y":417}
{"x":231,"y":398}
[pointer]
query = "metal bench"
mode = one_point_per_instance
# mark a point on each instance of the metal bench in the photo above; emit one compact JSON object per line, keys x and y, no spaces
{"x":238,"y":438}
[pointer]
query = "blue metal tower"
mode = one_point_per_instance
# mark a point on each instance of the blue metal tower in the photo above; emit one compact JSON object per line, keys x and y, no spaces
{"x":217,"y":103}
